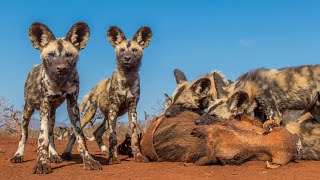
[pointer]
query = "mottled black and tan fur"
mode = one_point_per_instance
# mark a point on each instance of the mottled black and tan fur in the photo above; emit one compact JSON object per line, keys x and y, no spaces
{"x":119,"y":94}
{"x":271,"y":93}
{"x":195,"y":96}
{"x":64,"y":133}
{"x":47,"y":86}
{"x":308,"y":129}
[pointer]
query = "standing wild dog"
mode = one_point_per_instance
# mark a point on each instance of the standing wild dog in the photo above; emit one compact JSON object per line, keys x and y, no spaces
{"x":47,"y":86}
{"x":117,"y":95}
{"x":197,"y":95}
{"x":271,"y":93}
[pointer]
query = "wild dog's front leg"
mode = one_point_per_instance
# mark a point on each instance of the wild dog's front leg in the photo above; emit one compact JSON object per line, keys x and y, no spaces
{"x":111,"y":124}
{"x":43,"y":142}
{"x":134,"y":131}
{"x":74,"y":115}
{"x":53,"y":155}
{"x":89,"y":114}
{"x":27,"y":113}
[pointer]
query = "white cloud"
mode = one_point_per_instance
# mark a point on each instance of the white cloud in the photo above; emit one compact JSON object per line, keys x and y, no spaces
{"x":247,"y":42}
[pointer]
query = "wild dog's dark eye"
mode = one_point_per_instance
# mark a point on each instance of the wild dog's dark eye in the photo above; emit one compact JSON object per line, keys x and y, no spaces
{"x":135,"y":51}
{"x":122,"y":49}
{"x":69,"y":54}
{"x":51,"y":54}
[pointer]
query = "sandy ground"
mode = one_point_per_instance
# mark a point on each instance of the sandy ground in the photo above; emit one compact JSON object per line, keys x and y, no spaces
{"x":129,"y":169}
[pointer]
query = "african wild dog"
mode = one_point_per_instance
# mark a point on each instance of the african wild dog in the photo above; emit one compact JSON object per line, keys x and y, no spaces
{"x":197,"y":95}
{"x":271,"y":93}
{"x":224,"y":142}
{"x":117,"y":95}
{"x":47,"y":86}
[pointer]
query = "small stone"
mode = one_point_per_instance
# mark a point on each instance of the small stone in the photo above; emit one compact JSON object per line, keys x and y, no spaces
{"x":187,"y":164}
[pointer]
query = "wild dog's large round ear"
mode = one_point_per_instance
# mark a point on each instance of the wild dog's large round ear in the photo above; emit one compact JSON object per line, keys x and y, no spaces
{"x":220,"y":83}
{"x":201,"y":87}
{"x":179,"y":75}
{"x":238,"y":100}
{"x":115,"y":35}
{"x":168,"y":101}
{"x":167,"y":97}
{"x":143,"y":36}
{"x":79,"y":35}
{"x":40,"y":35}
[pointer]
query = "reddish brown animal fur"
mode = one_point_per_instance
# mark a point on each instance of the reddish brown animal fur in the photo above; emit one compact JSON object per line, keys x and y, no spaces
{"x":228,"y":142}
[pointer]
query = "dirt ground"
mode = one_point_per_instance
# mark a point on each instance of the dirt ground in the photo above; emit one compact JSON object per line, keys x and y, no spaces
{"x":129,"y":169}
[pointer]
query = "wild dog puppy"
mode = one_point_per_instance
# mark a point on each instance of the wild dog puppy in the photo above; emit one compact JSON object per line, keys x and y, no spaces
{"x":271,"y":93}
{"x":197,"y":95}
{"x":224,"y":142}
{"x":117,"y":95}
{"x":47,"y":86}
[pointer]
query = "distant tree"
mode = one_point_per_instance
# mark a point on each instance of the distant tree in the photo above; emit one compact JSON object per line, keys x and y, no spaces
{"x":10,"y":117}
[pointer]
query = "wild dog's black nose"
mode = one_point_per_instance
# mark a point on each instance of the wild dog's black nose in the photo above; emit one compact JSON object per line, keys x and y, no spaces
{"x":127,"y":58}
{"x":61,"y":68}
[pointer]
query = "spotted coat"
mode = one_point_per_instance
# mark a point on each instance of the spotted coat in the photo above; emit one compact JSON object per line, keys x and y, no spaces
{"x":47,"y":86}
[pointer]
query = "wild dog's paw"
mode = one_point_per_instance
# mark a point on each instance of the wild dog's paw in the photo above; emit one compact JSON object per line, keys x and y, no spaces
{"x":269,"y":125}
{"x":271,"y":165}
{"x":91,"y":164}
{"x":66,"y":155}
{"x":140,"y":158}
{"x":55,"y":159}
{"x":41,"y":168}
{"x":17,"y":159}
{"x":105,"y":153}
{"x":114,"y":160}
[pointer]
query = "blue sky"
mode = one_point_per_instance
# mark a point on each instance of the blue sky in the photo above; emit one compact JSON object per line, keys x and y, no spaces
{"x":194,"y":36}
